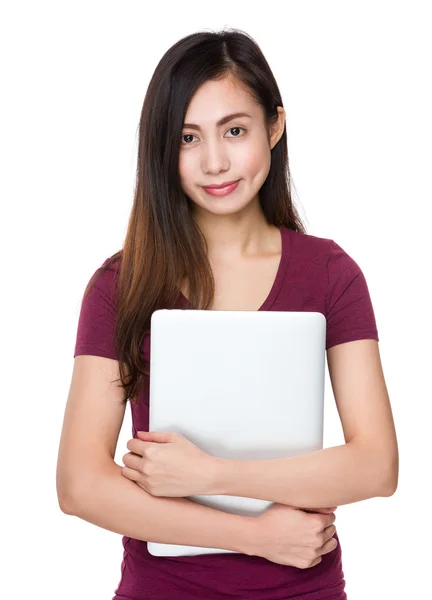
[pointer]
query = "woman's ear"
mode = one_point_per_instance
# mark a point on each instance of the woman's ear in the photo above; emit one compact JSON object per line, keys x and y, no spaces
{"x":277,"y":128}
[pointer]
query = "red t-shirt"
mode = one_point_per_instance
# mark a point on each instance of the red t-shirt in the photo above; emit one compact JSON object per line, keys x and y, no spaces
{"x":315,"y":274}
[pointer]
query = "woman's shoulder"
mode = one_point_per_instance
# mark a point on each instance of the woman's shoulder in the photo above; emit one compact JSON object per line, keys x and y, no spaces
{"x":107,"y":273}
{"x":103,"y":281}
{"x":331,"y":254}
{"x":111,"y":264}
{"x":308,"y":242}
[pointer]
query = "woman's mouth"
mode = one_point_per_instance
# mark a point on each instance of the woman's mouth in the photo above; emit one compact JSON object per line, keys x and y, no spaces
{"x":222,"y":191}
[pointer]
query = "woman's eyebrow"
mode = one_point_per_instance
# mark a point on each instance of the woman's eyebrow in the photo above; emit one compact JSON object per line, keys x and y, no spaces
{"x":222,"y":121}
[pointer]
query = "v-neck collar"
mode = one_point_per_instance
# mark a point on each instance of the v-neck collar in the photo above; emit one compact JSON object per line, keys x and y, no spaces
{"x":279,"y":278}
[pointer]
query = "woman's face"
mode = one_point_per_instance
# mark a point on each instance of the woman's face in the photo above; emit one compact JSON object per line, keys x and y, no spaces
{"x":237,"y":149}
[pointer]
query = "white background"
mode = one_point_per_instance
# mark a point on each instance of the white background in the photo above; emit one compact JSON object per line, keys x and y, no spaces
{"x":355,"y":78}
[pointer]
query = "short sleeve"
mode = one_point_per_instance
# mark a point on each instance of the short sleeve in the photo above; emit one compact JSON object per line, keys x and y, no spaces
{"x":349,"y":310}
{"x":97,"y":318}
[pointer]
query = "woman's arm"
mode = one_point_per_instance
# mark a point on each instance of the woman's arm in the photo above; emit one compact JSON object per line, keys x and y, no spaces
{"x":365,"y":467}
{"x":113,"y":502}
{"x":331,"y":477}
{"x":90,"y":484}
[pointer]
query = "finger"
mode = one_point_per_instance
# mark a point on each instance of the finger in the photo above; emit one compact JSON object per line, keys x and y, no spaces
{"x":328,"y":533}
{"x":328,"y":546}
{"x":133,"y":461}
{"x":326,"y":520}
{"x":330,"y":519}
{"x":131,"y":474}
{"x":156,"y":436}
{"x":138,"y":446}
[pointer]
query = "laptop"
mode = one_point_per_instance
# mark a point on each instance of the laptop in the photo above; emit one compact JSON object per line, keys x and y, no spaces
{"x":243,"y":385}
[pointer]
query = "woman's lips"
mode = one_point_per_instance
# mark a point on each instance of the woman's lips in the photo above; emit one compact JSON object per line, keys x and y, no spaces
{"x":222,"y":191}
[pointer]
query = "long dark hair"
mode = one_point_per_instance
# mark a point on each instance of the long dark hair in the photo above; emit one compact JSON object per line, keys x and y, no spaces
{"x":163,"y":245}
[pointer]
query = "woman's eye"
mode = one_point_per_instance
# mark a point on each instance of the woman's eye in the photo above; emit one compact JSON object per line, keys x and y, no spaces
{"x":189,"y":135}
{"x":231,"y":128}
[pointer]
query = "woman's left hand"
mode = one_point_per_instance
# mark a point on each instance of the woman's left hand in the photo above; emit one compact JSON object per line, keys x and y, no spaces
{"x":167,"y":464}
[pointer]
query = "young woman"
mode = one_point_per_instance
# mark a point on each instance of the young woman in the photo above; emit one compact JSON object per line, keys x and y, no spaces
{"x":213,"y":226}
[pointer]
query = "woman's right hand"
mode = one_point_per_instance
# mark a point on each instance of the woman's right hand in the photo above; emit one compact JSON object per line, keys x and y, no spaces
{"x":292,"y":536}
